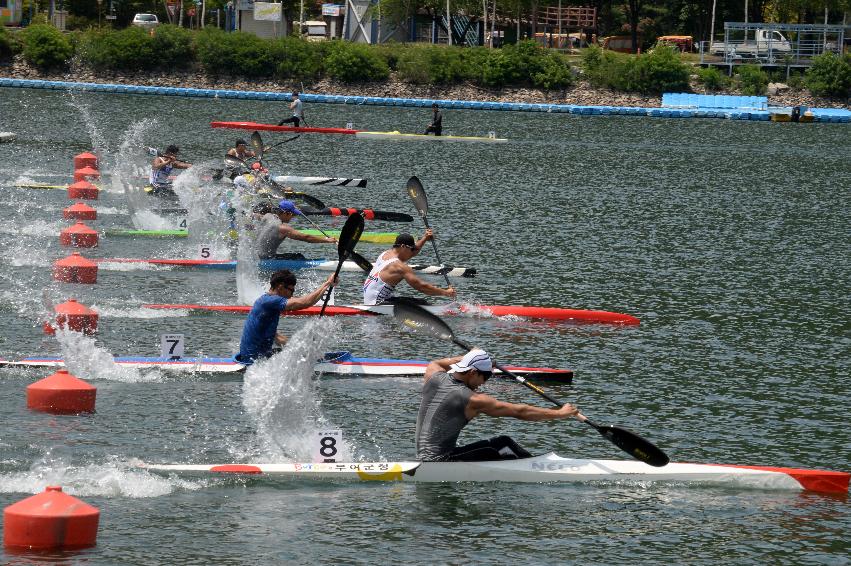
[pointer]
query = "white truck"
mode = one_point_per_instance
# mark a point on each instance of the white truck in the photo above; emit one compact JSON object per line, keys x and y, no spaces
{"x":764,"y":43}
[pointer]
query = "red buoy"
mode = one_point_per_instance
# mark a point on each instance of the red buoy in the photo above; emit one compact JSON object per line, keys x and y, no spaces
{"x":82,"y":190}
{"x":79,"y":236}
{"x":80,"y":211}
{"x":74,"y":316}
{"x":86,"y":174}
{"x":50,"y":520}
{"x":75,"y":269}
{"x":61,"y":394}
{"x":85,"y":159}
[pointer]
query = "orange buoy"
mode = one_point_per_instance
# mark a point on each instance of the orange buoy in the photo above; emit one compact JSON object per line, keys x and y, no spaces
{"x":83,"y":190}
{"x":50,"y":520}
{"x":86,"y":174}
{"x":85,"y":159}
{"x":61,"y":394}
{"x":74,"y":316}
{"x":75,"y":269}
{"x":80,"y":211}
{"x":79,"y":236}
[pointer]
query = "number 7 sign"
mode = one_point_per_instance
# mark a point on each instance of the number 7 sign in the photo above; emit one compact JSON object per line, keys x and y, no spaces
{"x":171,"y":346}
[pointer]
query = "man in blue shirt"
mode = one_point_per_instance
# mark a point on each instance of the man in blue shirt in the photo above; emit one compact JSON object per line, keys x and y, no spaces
{"x":260,"y":333}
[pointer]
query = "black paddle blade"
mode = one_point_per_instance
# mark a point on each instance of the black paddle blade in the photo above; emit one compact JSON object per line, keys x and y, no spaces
{"x":362,"y":262}
{"x":349,"y":235}
{"x":257,"y":145}
{"x":634,"y":445}
{"x":416,"y":317}
{"x":418,"y":195}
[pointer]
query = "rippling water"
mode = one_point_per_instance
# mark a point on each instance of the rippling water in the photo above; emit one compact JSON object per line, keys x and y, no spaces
{"x":730,"y":240}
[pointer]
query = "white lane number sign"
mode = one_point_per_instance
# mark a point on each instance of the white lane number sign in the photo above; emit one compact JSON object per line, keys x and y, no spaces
{"x":171,"y":346}
{"x":327,"y":445}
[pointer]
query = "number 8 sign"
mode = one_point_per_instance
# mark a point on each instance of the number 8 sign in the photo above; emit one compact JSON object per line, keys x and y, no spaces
{"x":327,"y":445}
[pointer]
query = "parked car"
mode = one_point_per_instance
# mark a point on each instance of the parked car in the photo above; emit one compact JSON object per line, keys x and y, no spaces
{"x":146,"y":20}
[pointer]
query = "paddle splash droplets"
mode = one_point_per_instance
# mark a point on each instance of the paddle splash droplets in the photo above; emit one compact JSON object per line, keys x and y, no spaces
{"x":279,"y":395}
{"x":88,"y":361}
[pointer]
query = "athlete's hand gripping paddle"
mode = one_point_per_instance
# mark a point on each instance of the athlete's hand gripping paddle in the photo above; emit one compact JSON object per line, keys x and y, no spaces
{"x":418,"y":196}
{"x":416,"y":317}
{"x":349,"y":236}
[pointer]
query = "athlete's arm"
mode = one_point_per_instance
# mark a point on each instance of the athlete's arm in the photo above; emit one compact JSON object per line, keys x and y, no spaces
{"x":481,"y":403}
{"x":422,"y":286}
{"x":298,"y":303}
{"x":428,"y":235}
{"x":290,"y":232}
{"x":442,"y":364}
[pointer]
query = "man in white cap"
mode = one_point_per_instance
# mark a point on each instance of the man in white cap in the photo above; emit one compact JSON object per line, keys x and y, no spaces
{"x":275,"y":228}
{"x":450,"y":401}
{"x":391,"y":267}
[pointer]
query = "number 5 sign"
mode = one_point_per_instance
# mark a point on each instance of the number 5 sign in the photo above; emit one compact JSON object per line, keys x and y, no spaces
{"x":327,"y":445}
{"x":171,"y":346}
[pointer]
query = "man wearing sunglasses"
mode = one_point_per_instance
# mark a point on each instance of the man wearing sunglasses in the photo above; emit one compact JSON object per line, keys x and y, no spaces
{"x":450,"y":401}
{"x":391,"y":267}
{"x":260,"y":333}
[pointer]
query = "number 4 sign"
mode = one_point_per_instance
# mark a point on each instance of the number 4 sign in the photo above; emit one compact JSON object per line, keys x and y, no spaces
{"x":171,"y":346}
{"x":327,"y":445}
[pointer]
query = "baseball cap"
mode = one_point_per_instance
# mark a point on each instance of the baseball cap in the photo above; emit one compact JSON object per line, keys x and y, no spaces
{"x":474,"y":359}
{"x":288,"y":206}
{"x":404,"y":240}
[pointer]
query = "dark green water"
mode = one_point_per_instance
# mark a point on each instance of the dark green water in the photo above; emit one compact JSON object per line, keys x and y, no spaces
{"x":729,"y":240}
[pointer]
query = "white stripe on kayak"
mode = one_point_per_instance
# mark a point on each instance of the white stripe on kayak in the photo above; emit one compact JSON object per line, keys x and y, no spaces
{"x":330,"y":181}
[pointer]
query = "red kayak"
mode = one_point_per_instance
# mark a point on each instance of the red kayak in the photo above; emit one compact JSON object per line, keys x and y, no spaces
{"x":273,"y":128}
{"x":540,"y":313}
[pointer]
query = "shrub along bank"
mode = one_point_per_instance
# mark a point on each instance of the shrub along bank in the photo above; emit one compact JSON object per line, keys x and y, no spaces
{"x":243,"y":55}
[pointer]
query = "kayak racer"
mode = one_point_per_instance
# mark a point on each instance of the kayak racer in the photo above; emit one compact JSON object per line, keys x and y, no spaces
{"x":391,"y":267}
{"x":161,"y":168}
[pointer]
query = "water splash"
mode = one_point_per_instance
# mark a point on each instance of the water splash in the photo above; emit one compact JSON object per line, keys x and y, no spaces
{"x":78,"y":100}
{"x":280,"y":397}
{"x":249,"y":286}
{"x":109,"y":479}
{"x":86,"y":360}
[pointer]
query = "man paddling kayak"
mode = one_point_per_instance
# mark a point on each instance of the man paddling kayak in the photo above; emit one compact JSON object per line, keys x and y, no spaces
{"x":275,"y":228}
{"x":297,"y":108}
{"x":161,"y":168}
{"x":260,"y":333}
{"x":240,"y":151}
{"x":391,"y":267}
{"x":450,"y":401}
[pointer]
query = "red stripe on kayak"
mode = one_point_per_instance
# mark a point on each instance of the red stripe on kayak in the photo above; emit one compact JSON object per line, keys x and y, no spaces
{"x":811,"y":480}
{"x":554,"y":313}
{"x":368,"y":213}
{"x":335,"y":211}
{"x":164,"y":261}
{"x":237,"y":469}
{"x":274,"y":128}
{"x":331,"y":310}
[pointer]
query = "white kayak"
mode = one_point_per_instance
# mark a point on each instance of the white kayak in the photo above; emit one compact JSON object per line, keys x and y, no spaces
{"x":333,"y":363}
{"x":545,"y":468}
{"x":320,"y":181}
{"x":422,"y":137}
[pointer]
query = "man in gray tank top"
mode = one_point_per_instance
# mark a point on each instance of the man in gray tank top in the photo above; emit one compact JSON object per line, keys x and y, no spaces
{"x":274,"y":228}
{"x":450,"y":401}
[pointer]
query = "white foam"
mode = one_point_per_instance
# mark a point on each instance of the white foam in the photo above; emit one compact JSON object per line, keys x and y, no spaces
{"x":279,"y":395}
{"x":86,"y":360}
{"x":133,"y":266}
{"x":139,"y":312}
{"x":110,"y":479}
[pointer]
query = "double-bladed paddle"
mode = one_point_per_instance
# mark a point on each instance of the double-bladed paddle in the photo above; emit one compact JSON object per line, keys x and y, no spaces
{"x":349,"y":236}
{"x":257,"y":144}
{"x":418,"y":196}
{"x":362,"y":262}
{"x":416,"y":317}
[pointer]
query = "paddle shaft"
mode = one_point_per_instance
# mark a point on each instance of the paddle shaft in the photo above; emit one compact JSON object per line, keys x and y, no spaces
{"x":434,"y":245}
{"x":331,"y":287}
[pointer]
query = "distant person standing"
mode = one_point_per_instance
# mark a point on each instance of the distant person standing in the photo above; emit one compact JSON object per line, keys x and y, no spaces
{"x":436,"y":126}
{"x":297,"y":108}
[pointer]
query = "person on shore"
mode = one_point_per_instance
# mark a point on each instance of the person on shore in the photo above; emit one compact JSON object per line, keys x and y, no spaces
{"x":297,"y":108}
{"x":260,"y":333}
{"x":161,"y":168}
{"x":436,"y":126}
{"x":391,"y":267}
{"x":450,"y":401}
{"x":274,"y":228}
